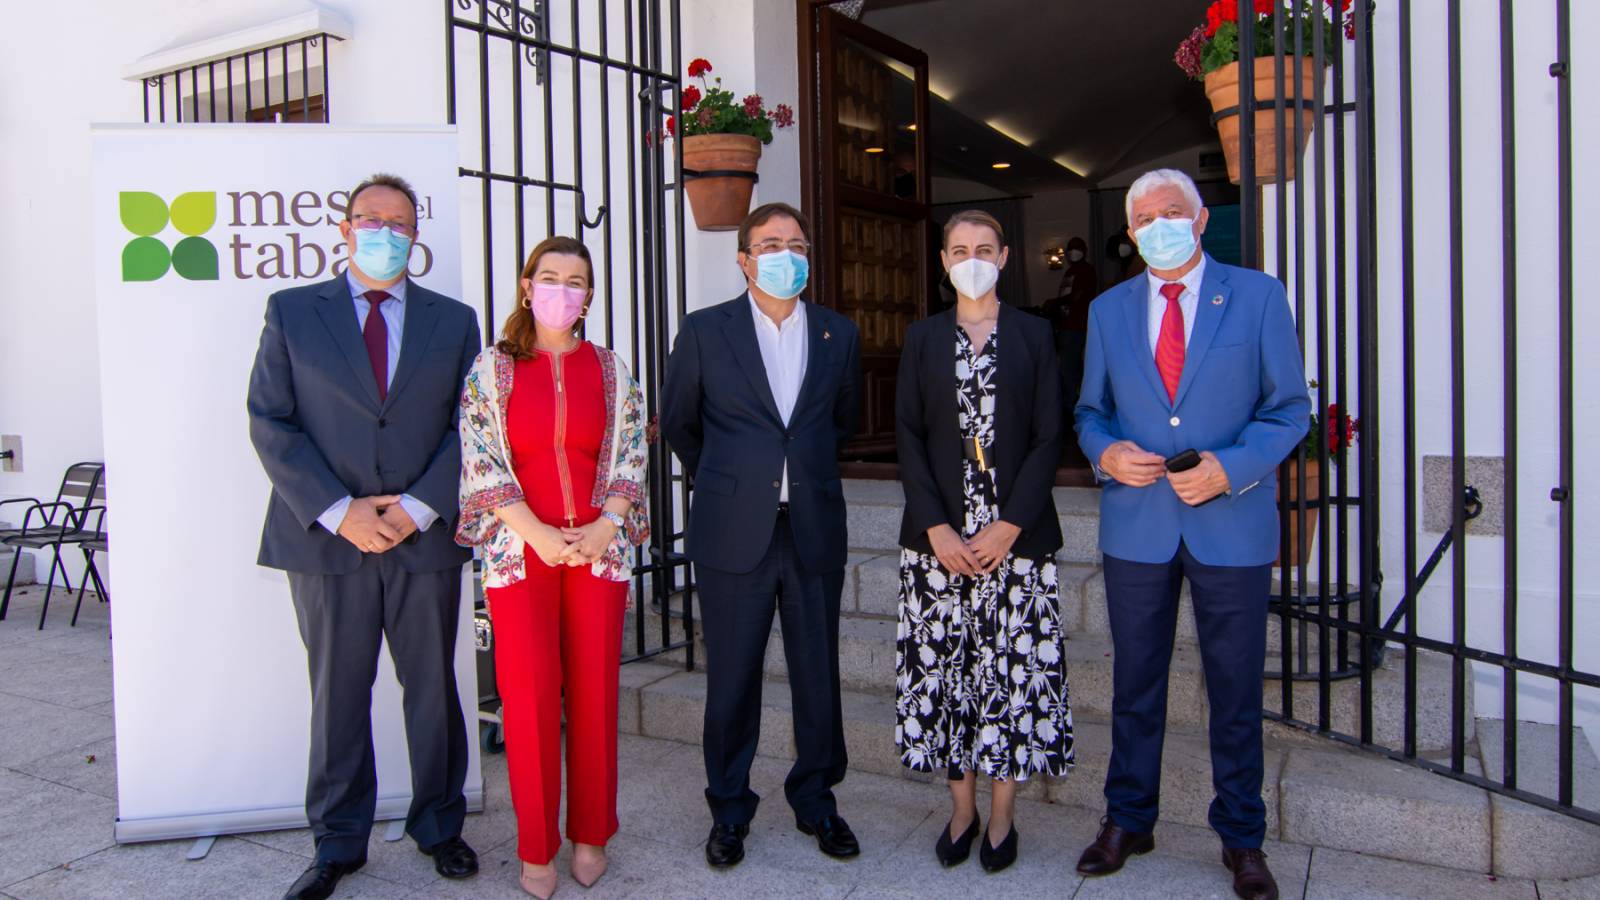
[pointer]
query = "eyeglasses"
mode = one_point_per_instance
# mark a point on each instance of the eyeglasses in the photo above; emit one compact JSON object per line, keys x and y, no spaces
{"x":365,"y":222}
{"x":773,"y":245}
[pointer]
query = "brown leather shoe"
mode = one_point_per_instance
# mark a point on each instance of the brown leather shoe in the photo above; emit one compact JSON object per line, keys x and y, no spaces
{"x":1252,"y":880}
{"x":1112,"y":848}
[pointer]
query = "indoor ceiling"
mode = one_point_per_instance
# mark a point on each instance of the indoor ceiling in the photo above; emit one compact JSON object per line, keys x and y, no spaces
{"x":1088,"y":85}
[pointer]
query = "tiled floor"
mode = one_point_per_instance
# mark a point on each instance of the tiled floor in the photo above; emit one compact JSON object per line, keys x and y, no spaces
{"x":58,"y":790}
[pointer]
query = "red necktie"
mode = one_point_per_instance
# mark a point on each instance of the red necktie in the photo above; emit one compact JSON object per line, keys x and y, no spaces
{"x":375,"y":334}
{"x":1169,"y":345}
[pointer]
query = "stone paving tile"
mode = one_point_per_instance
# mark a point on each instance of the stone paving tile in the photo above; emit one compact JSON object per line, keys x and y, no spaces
{"x":1574,"y":889}
{"x":76,"y":680}
{"x":44,"y":825}
{"x":1043,"y":867}
{"x":73,"y":768}
{"x":50,"y":729}
{"x":235,"y":868}
{"x":1341,"y":875}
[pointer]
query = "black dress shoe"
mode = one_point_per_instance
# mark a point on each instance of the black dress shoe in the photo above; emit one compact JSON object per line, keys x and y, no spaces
{"x":955,"y":852}
{"x":452,"y":858}
{"x":1112,"y":847}
{"x":318,"y":882}
{"x":833,"y":834}
{"x":996,"y":859}
{"x":1252,"y":880}
{"x":725,"y":846}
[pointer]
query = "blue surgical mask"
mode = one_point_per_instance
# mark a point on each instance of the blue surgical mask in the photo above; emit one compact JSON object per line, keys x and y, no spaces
{"x":782,"y":274}
{"x":1166,"y":243}
{"x":381,"y":254}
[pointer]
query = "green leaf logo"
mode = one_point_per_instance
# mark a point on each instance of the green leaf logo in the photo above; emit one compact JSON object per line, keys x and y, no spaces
{"x":146,"y":257}
{"x":143,"y":213}
{"x":194,"y":213}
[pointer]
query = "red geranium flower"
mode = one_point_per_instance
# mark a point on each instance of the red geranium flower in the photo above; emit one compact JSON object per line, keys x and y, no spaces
{"x":672,"y":124}
{"x":691,"y":96}
{"x":783,"y":116}
{"x":752,"y":106}
{"x":698,"y":67}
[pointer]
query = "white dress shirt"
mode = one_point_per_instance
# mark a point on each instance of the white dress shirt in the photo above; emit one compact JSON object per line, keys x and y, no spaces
{"x":784,"y":352}
{"x":393,"y":311}
{"x":1188,"y":301}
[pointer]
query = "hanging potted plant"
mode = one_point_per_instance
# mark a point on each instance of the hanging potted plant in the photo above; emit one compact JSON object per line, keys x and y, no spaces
{"x":1211,"y":54}
{"x":1338,"y":431}
{"x":720,"y":144}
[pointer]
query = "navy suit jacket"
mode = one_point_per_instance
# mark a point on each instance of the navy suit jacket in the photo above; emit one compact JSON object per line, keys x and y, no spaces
{"x":321,"y":433}
{"x":1242,"y":396}
{"x":721,"y":420}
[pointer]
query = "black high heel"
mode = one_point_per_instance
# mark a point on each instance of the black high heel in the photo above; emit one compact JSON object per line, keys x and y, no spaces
{"x":995,"y":859}
{"x":954,"y":853}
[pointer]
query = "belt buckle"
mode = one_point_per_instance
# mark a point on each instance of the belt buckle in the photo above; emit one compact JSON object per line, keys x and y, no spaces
{"x":983,"y":462}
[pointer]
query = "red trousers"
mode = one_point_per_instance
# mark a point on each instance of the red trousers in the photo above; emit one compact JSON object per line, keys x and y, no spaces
{"x":558,"y":634}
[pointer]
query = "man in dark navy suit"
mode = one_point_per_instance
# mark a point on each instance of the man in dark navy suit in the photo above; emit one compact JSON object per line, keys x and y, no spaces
{"x":761,"y":394}
{"x":353,"y":403}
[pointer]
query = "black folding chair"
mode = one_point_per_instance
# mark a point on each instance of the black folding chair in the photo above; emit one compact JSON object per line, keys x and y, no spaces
{"x":53,"y":525}
{"x":97,"y":544}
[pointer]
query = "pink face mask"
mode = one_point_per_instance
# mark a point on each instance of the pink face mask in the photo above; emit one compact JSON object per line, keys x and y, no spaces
{"x":558,"y":306}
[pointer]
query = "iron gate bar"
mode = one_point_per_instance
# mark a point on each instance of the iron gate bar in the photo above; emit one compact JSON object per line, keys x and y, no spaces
{"x":1369,"y":561}
{"x":1561,"y":70}
{"x":525,"y":32}
{"x":159,"y":82}
{"x":1508,"y":332}
{"x":1458,"y":402}
{"x":1408,"y":370}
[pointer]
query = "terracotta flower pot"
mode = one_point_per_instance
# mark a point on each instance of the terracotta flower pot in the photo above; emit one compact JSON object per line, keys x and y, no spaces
{"x":719,"y":202}
{"x":1222,"y":89}
{"x":1302,"y":525}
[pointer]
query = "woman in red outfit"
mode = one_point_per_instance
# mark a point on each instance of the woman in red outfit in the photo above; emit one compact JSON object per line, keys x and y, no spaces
{"x":552,"y":490}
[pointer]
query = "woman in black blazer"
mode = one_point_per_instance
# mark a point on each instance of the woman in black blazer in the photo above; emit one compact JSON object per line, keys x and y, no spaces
{"x":981,"y":687}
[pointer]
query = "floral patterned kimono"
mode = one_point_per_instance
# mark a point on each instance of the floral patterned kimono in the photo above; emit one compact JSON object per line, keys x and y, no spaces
{"x":489,"y":481}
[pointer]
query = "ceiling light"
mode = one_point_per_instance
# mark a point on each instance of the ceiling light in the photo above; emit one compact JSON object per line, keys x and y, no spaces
{"x":1000,"y":165}
{"x":1013,"y":135}
{"x":874,"y":149}
{"x":912,"y":127}
{"x":1070,"y":166}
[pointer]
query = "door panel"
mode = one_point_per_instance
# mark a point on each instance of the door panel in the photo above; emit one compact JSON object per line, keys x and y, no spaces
{"x":870,"y":197}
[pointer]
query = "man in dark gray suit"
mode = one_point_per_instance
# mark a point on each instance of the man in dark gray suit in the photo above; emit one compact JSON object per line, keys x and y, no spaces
{"x":761,"y":394}
{"x":353,"y":403}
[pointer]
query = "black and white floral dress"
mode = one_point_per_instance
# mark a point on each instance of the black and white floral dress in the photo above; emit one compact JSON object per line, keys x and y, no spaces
{"x":980,"y":682}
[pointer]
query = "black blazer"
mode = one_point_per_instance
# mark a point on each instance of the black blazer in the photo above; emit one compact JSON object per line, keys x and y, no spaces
{"x":321,"y":433}
{"x":719,"y":416}
{"x":1027,"y":440}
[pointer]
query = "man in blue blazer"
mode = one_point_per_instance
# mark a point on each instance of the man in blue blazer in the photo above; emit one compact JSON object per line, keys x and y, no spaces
{"x":1190,"y":355}
{"x":760,"y":395}
{"x":353,"y":403}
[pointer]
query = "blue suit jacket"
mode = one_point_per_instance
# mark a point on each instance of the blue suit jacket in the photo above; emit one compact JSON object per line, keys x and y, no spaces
{"x":719,"y":415}
{"x":1242,"y":396}
{"x":321,"y":433}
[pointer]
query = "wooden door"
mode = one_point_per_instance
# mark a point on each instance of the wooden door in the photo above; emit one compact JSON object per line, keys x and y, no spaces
{"x":868,"y":193}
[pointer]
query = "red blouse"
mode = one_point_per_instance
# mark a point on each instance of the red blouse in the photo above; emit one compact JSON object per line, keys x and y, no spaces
{"x":555,"y":423}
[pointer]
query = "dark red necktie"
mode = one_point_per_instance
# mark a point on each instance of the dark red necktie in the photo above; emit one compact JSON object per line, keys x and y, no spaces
{"x":1169,"y":345}
{"x":375,"y":334}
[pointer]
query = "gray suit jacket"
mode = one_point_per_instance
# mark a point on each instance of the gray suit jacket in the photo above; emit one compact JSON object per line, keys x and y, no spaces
{"x":319,"y":429}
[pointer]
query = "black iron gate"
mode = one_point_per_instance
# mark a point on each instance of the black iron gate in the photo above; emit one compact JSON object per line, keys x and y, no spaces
{"x":568,"y":137}
{"x":1353,"y":661}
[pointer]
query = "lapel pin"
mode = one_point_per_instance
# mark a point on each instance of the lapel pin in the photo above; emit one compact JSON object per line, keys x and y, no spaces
{"x":1217,"y":300}
{"x":827,"y":336}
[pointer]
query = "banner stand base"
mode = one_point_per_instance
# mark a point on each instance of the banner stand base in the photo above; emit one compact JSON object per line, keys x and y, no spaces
{"x":211,"y":825}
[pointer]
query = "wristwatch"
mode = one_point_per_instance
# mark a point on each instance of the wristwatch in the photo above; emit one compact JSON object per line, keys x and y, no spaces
{"x":614,"y":519}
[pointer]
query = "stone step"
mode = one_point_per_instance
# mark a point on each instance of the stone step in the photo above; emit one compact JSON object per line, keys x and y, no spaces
{"x":1316,"y":792}
{"x":1388,"y":704}
{"x":874,"y":508}
{"x":867,"y":666}
{"x":1529,"y":841}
